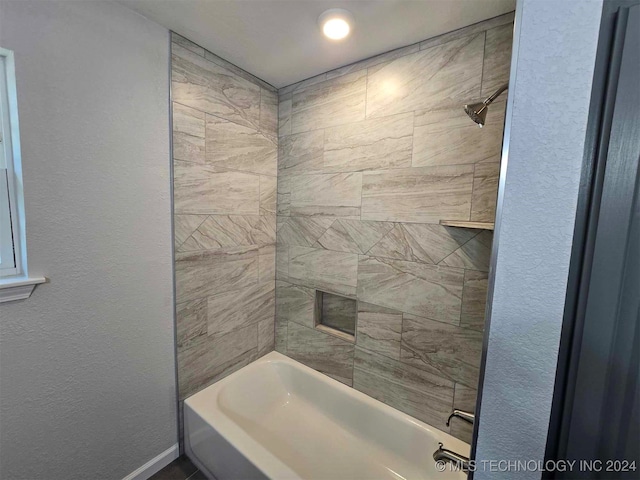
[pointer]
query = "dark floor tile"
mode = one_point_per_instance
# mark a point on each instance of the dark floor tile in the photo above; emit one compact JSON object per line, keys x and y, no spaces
{"x":198,"y":476}
{"x":180,"y":469}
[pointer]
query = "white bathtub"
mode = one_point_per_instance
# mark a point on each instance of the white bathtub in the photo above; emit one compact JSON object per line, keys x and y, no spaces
{"x":279,"y":419}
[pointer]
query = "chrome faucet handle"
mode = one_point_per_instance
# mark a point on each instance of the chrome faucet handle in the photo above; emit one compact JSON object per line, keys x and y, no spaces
{"x":461,"y":414}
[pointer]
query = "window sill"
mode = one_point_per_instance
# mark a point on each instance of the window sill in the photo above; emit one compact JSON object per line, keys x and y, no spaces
{"x":18,"y":288}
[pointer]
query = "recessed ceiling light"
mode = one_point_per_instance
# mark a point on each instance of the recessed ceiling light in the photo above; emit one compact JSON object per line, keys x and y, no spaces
{"x":336,"y":23}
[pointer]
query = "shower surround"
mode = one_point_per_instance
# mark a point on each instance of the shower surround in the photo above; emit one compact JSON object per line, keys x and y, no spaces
{"x":370,"y":158}
{"x":224,"y":190}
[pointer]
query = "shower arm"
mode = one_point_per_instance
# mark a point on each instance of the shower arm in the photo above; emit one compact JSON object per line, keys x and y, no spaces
{"x":496,"y":94}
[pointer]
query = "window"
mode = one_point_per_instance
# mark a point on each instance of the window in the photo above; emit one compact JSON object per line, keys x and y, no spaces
{"x":10,"y":259}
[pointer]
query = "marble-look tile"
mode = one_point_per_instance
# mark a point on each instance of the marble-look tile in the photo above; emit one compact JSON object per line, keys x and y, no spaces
{"x":485,"y":192}
{"x":207,"y":273}
{"x":205,"y":189}
{"x":212,"y":57}
{"x":267,"y":263}
{"x":355,"y":236}
{"x":338,"y":312}
{"x":284,"y":117}
{"x":414,"y":391}
{"x":464,"y":398}
{"x":326,"y":353}
{"x":418,"y":242}
{"x":474,"y":299}
{"x":188,"y":134}
{"x":303,"y":84}
{"x":379,"y":330}
{"x":474,"y":255}
{"x":282,"y":261}
{"x":281,"y":329}
{"x":301,"y":153}
{"x":442,"y":349}
{"x":238,"y":147}
{"x":268,"y":195}
{"x":336,"y":194}
{"x":266,"y":336}
{"x":206,"y":86}
{"x":188,"y":44}
{"x":184,"y":226}
{"x":448,"y":136}
{"x":303,"y":231}
{"x":191,"y":322}
{"x":420,"y":195}
{"x":468,"y":30}
{"x":370,"y":62}
{"x":334,"y":272}
{"x":295,"y":303}
{"x":269,"y":112}
{"x":213,"y":358}
{"x":497,"y":58}
{"x":426,"y":290}
{"x":446,"y":74}
{"x":284,"y":204}
{"x":236,"y":309}
{"x":329,"y":103}
{"x":375,"y":144}
{"x":221,"y":231}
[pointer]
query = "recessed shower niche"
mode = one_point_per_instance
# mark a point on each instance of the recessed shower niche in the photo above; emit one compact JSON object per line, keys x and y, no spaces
{"x":336,"y":315}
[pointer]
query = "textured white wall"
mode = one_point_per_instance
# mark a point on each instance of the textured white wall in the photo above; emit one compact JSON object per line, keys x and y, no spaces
{"x":87,"y":382}
{"x":549,"y":101}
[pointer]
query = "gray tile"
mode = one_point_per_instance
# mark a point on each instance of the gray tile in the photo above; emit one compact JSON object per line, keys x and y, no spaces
{"x":417,"y":242}
{"x":326,"y":353}
{"x":376,"y":144}
{"x":207,"y":273}
{"x":240,"y":308}
{"x":329,"y":103}
{"x":206,"y":189}
{"x":239,"y":147}
{"x":474,"y":299}
{"x":326,"y":194}
{"x":333,"y":272}
{"x":295,"y":303}
{"x":268,"y":195}
{"x":180,"y":469}
{"x":191,"y":322}
{"x":303,"y":231}
{"x":222,"y":231}
{"x":206,"y":86}
{"x":442,"y":349}
{"x":370,"y":62}
{"x":497,"y":58}
{"x":426,"y":290}
{"x":267,"y":263}
{"x":266,"y":336}
{"x":420,"y":195}
{"x":269,"y":112}
{"x":284,"y":117}
{"x":301,"y":153}
{"x":414,"y":391}
{"x":446,"y":74}
{"x":188,"y":134}
{"x":379,"y":330}
{"x":469,"y":30}
{"x":282,"y":261}
{"x":184,"y":226}
{"x":464,"y":399}
{"x":281,"y":329}
{"x":485,"y":192}
{"x":354,"y":236}
{"x":448,"y":137}
{"x":474,"y":255}
{"x":284,"y":204}
{"x":214,"y":358}
{"x":188,"y":44}
{"x":238,"y":71}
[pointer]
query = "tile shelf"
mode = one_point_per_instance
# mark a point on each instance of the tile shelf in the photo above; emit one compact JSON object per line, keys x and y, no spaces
{"x":467,"y":224}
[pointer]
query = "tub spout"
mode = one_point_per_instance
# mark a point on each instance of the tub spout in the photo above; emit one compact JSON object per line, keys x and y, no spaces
{"x":446,"y":455}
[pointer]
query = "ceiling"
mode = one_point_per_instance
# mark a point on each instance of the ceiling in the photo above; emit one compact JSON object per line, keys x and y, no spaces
{"x":280,"y":42}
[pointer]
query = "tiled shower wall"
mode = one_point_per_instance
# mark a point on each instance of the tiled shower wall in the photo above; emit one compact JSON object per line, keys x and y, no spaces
{"x":371,"y":157}
{"x":225,"y":167}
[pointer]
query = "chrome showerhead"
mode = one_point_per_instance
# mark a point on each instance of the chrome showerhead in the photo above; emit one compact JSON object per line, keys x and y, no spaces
{"x":478,"y":111}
